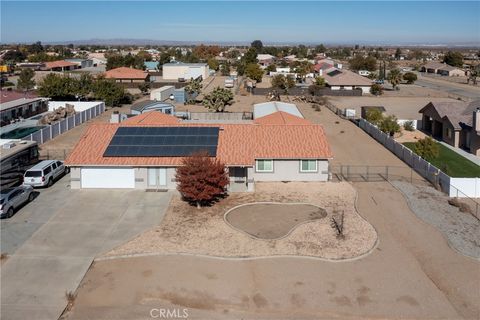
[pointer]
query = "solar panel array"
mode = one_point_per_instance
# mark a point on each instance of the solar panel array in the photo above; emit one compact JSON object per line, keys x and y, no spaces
{"x":162,"y":141}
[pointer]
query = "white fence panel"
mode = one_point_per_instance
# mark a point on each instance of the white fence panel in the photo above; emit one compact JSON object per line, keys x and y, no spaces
{"x":469,"y":187}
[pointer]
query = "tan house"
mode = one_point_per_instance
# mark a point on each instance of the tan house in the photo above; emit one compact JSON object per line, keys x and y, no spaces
{"x":456,"y":123}
{"x":127,"y":75}
{"x":442,"y":69}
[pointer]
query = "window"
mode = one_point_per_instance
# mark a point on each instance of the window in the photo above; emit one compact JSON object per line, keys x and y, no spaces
{"x":264,"y":166}
{"x":47,"y":170}
{"x":308,"y":165}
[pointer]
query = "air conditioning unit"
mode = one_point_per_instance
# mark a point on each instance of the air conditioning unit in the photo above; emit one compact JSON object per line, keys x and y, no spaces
{"x":9,"y":145}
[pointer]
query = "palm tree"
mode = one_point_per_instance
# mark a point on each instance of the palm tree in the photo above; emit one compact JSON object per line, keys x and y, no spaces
{"x":394,"y":77}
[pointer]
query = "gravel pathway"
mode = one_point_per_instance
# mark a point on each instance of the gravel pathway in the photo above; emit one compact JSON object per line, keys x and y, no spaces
{"x":461,"y":229}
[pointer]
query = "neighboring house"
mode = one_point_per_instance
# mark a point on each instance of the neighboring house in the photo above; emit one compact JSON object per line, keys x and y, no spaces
{"x":265,"y":59}
{"x":442,"y":69}
{"x":321,"y":67}
{"x":144,"y":151}
{"x":152,"y":105}
{"x":31,"y":65}
{"x":180,"y":70}
{"x":346,"y":80}
{"x":14,"y":105}
{"x":456,"y":123}
{"x":81,"y":63}
{"x":59,"y":65}
{"x":127,"y":75}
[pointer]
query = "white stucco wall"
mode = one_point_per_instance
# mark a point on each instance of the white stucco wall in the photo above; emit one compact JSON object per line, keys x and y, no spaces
{"x":289,"y":170}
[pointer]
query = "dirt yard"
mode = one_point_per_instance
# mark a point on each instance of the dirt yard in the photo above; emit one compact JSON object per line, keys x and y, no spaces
{"x":272,"y":220}
{"x":186,"y":229}
{"x":410,"y":136}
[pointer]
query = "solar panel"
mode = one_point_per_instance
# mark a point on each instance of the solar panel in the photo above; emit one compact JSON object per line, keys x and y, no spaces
{"x":162,"y":141}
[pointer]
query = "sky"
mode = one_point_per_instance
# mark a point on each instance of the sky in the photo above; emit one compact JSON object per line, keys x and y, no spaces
{"x":382,"y":22}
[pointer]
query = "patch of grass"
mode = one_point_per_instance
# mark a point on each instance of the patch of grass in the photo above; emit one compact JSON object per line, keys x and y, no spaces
{"x":456,"y":165}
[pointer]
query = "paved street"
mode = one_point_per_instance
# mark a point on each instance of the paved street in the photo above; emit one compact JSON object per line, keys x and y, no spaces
{"x":461,"y":90}
{"x":53,"y":240}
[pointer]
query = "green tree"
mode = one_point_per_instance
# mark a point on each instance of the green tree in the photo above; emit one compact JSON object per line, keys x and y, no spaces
{"x":271,"y":68}
{"x":254,"y":72}
{"x":389,"y":125}
{"x":320,"y":49}
{"x":25,"y":80}
{"x":394,"y":77}
{"x":164,"y":58}
{"x":225,"y":69}
{"x":144,"y":87}
{"x":453,"y":58}
{"x":360,"y":63}
{"x":218,"y":99}
{"x":109,"y":91}
{"x":58,"y":87}
{"x":290,"y":81}
{"x":320,"y":81}
{"x":279,"y":81}
{"x":194,"y":87}
{"x":213,"y":64}
{"x":398,"y":53}
{"x":83,"y":86}
{"x":258,"y":45}
{"x":376,"y":89}
{"x":410,"y":77}
{"x":427,"y":148}
{"x":374,"y":116}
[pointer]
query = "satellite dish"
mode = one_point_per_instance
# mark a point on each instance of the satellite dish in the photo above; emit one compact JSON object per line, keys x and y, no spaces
{"x":172,"y":97}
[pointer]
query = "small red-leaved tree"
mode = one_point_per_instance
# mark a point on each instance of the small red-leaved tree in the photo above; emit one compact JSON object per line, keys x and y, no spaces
{"x":201,"y":179}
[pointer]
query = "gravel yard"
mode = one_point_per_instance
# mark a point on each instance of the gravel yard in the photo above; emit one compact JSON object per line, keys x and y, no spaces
{"x":461,"y":229}
{"x":186,"y":229}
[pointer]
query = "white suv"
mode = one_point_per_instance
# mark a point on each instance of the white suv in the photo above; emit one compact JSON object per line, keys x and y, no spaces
{"x":44,"y":173}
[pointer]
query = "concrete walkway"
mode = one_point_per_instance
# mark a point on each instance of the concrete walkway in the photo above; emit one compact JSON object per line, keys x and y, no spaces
{"x":463,"y":153}
{"x":59,"y":234}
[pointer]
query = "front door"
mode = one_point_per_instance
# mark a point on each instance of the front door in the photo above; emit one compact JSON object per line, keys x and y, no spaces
{"x":157,"y":177}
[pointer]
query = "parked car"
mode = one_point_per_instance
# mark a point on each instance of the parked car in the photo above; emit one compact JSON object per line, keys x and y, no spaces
{"x":13,"y":198}
{"x":44,"y":173}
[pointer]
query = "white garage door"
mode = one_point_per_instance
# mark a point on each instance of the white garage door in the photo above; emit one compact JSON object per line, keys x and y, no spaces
{"x":108,"y":178}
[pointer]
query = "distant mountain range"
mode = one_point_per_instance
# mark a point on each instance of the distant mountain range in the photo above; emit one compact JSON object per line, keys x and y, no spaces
{"x":152,"y":42}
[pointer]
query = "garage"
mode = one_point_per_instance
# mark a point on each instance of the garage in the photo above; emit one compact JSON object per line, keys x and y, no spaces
{"x":115,"y":178}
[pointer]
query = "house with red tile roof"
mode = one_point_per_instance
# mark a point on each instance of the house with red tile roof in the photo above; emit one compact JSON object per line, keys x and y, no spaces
{"x":127,"y":75}
{"x":59,"y":65}
{"x":144,"y":151}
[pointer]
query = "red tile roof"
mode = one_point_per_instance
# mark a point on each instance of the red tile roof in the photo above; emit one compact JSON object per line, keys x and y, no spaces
{"x":126,"y":73}
{"x":238,"y":144}
{"x":59,"y":64}
{"x":322,"y":66}
{"x":7,"y":96}
{"x":150,"y":118}
{"x":281,"y":117}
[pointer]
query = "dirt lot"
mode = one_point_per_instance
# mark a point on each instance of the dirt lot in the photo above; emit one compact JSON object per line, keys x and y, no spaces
{"x":405,"y":108}
{"x":272,"y":220}
{"x":186,"y":229}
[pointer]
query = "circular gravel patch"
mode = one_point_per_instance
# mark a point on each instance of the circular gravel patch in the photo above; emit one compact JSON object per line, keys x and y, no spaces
{"x":272,"y":220}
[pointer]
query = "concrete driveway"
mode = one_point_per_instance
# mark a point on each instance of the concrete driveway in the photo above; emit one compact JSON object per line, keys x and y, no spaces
{"x":53,"y":240}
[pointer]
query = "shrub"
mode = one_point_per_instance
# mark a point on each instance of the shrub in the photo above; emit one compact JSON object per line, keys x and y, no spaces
{"x":376,"y":89}
{"x":410,"y":77}
{"x":408,"y":125}
{"x":374,"y":116}
{"x":427,"y":148}
{"x":201,"y":179}
{"x":389,"y":125}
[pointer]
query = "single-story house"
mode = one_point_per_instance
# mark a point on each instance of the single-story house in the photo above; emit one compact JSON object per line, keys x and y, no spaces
{"x":14,"y":104}
{"x":81,"y":63}
{"x":265,"y":59}
{"x":320,"y":68}
{"x":127,"y":75}
{"x":180,"y":70}
{"x":343,"y":79}
{"x":144,"y":151}
{"x":59,"y":65}
{"x":152,"y":105}
{"x":442,"y":69}
{"x":455,"y":122}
